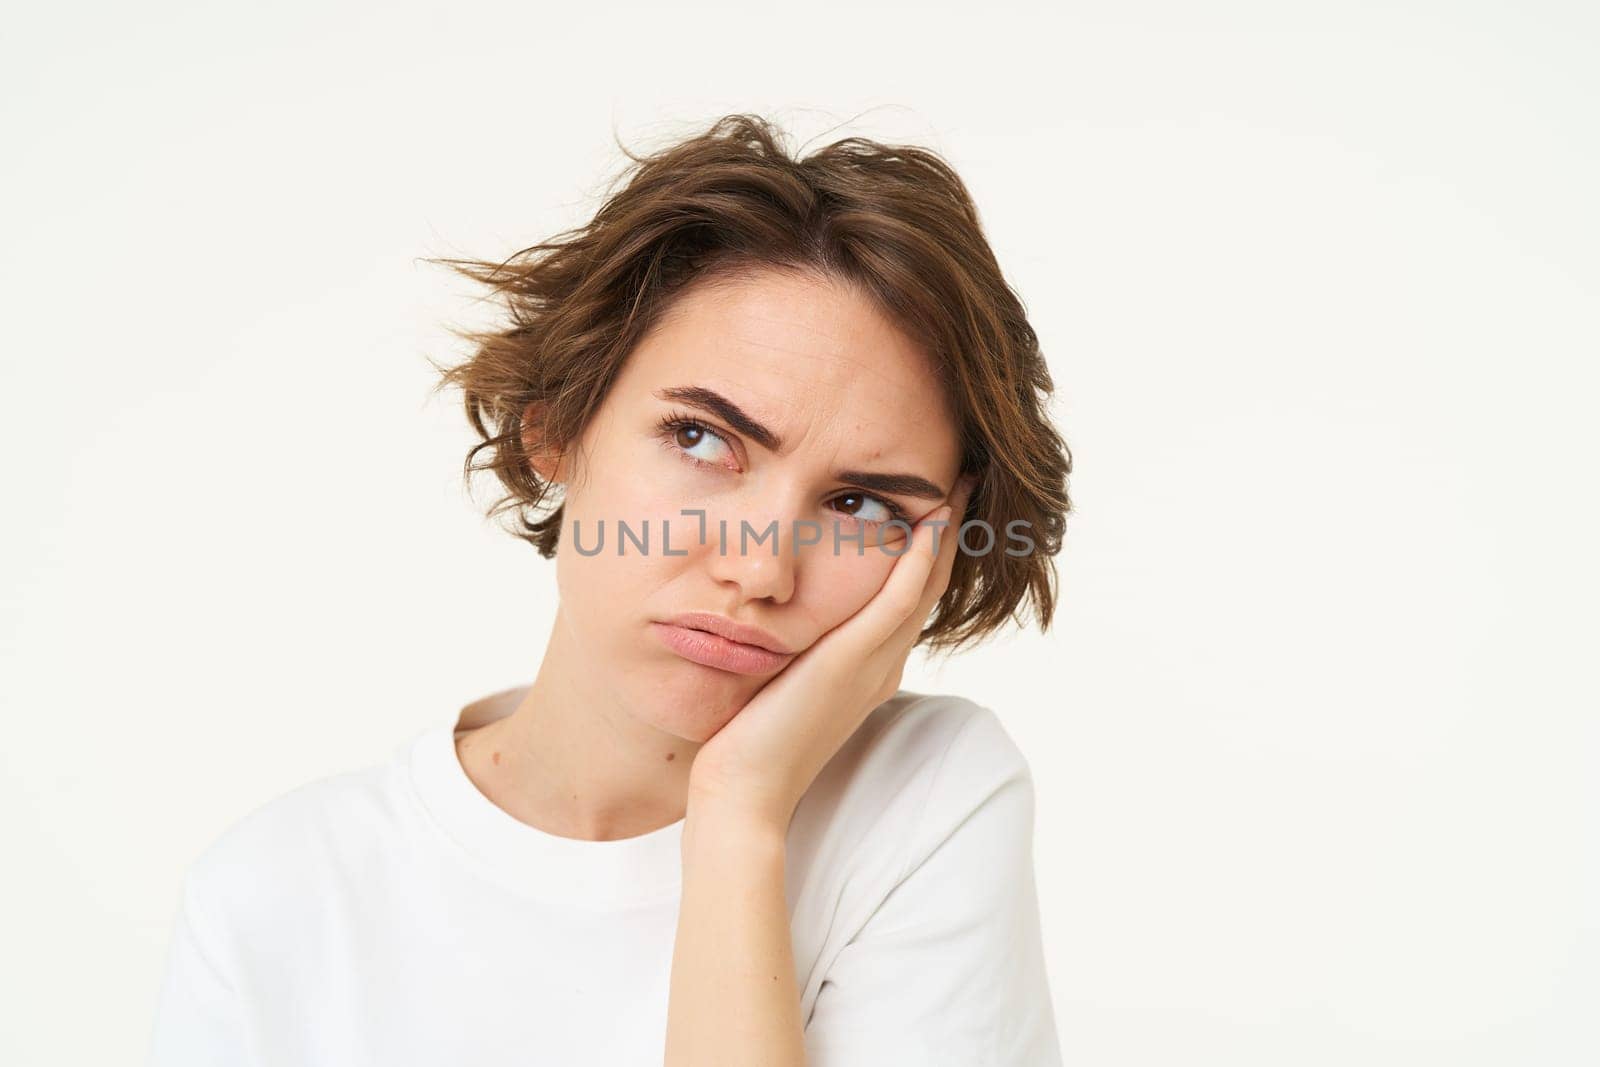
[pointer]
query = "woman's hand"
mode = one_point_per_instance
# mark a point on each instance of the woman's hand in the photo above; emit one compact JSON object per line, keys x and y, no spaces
{"x":761,"y":763}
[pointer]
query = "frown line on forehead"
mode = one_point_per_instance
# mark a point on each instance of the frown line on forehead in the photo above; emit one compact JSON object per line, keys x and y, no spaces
{"x":899,"y":484}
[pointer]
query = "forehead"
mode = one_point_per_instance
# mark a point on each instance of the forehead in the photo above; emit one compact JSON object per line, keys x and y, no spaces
{"x":809,"y":357}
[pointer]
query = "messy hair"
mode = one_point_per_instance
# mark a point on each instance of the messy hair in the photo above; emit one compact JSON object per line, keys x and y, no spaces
{"x":894,"y":222}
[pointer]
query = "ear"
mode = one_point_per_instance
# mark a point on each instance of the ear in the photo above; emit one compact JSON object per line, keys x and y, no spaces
{"x":546,"y":463}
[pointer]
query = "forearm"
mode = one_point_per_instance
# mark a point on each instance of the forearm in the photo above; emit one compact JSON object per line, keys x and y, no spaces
{"x":734,"y":1000}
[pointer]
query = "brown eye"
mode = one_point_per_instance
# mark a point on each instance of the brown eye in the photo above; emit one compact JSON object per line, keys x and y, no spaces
{"x":879,"y":511}
{"x":692,"y":439}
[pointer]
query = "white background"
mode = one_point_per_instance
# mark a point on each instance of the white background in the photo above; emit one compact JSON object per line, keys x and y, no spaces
{"x":1315,"y":734}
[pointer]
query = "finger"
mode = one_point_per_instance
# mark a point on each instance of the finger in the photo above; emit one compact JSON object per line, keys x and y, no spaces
{"x":939,"y":578}
{"x":905,"y":634}
{"x":918,"y":578}
{"x":902,"y":590}
{"x":939,"y":575}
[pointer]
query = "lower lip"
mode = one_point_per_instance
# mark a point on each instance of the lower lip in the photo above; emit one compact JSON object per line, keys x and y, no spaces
{"x":713,"y":651}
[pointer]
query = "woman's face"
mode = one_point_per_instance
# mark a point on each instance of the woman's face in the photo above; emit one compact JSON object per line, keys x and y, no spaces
{"x":790,"y":391}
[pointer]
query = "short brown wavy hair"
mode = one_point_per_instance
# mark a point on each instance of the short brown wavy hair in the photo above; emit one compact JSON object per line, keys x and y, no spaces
{"x":895,"y":221}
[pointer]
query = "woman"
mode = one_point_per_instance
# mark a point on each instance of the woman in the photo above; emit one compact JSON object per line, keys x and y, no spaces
{"x":713,"y":830}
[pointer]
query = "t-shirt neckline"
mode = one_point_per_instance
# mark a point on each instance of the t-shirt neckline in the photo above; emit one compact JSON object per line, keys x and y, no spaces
{"x":533,"y":862}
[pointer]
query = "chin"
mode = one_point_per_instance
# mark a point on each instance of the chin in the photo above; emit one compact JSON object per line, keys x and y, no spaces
{"x":694,"y":702}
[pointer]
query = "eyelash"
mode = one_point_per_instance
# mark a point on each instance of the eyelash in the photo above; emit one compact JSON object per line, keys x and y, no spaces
{"x":671,"y":424}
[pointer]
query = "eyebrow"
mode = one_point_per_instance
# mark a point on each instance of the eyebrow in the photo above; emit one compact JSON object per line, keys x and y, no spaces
{"x":898,"y":484}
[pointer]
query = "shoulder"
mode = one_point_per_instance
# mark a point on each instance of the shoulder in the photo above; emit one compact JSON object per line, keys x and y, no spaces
{"x":917,"y":767}
{"x":947,"y":743}
{"x":273,"y":856}
{"x":917,"y":923}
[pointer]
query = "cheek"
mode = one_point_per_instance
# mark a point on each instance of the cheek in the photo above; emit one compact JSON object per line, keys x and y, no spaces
{"x":601,"y":581}
{"x":656,"y":486}
{"x":840,"y":585}
{"x":637,"y":488}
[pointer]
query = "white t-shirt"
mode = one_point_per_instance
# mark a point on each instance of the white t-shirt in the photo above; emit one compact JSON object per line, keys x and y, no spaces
{"x":395,"y":916}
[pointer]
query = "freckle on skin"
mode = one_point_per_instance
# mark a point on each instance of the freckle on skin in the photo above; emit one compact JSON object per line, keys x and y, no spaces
{"x":671,"y":756}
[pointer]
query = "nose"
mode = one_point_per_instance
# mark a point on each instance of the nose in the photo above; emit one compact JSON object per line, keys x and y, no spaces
{"x":758,"y":558}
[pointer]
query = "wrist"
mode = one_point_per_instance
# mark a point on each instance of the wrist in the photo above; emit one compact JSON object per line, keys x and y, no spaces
{"x":717,"y":820}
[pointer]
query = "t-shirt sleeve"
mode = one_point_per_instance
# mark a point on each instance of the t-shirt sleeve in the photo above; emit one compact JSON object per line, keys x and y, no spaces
{"x":949,"y":969}
{"x":198,"y":1018}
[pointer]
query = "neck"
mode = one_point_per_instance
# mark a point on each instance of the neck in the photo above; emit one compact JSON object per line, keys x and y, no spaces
{"x":569,"y":758}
